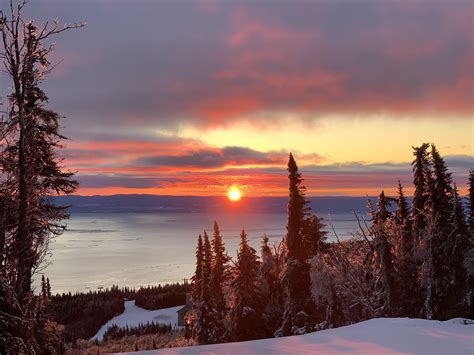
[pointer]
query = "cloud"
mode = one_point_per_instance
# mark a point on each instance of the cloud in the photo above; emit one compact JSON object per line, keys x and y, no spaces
{"x":161,"y":64}
{"x":140,"y":73}
{"x":127,"y":181}
{"x":213,"y":176}
{"x":215,"y":158}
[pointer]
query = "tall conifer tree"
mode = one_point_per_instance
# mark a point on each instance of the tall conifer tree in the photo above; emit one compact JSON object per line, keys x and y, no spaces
{"x":459,"y":236}
{"x":299,"y":307}
{"x":219,"y":270}
{"x":440,"y":196}
{"x":421,"y":180}
{"x":469,"y":257}
{"x":246,"y":315}
{"x":440,"y":240}
{"x":410,"y":295}
{"x":197,"y":278}
{"x":219,"y":275}
{"x":385,"y":284}
{"x":471,"y":202}
{"x":203,"y":329}
{"x":31,"y":172}
{"x":270,"y":289}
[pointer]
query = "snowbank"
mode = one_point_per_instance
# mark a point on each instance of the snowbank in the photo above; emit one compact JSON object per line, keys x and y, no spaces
{"x":377,"y":336}
{"x":133,"y":316}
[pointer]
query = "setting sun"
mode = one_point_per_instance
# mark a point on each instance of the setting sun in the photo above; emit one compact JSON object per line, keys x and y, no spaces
{"x":234,"y":194}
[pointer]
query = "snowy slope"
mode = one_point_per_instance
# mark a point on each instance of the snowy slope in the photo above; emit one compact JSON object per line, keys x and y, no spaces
{"x":134,"y":315}
{"x":377,"y":336}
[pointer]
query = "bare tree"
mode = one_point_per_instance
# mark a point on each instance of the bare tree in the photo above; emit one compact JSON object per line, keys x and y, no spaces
{"x":31,"y":171}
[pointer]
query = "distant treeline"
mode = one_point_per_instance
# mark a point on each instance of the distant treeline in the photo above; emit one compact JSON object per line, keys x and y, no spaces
{"x":114,"y":332}
{"x":83,"y":314}
{"x":157,"y":297}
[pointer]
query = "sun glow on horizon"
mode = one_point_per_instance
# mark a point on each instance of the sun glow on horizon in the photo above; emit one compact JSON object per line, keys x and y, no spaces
{"x":234,"y":194}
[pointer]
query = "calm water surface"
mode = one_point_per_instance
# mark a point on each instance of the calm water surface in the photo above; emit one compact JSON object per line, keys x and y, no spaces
{"x":135,"y":249}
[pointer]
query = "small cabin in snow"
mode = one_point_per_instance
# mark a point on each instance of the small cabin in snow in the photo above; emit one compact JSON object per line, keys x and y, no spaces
{"x":184,"y":310}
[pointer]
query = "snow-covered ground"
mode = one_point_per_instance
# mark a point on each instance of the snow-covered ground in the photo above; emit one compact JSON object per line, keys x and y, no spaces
{"x":133,"y":316}
{"x":376,"y":336}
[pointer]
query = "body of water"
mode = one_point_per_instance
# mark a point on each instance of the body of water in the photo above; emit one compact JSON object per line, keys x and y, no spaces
{"x":136,"y":249}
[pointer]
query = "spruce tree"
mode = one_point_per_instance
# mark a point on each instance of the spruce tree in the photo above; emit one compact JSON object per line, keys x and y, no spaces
{"x":246,"y":314}
{"x":403,"y":221}
{"x":461,"y":245}
{"x":270,"y":289}
{"x":471,"y":201}
{"x":48,"y":289}
{"x":410,"y":294}
{"x":219,"y":275}
{"x":203,"y":328}
{"x":31,"y":171}
{"x":440,"y":196}
{"x":469,"y":257}
{"x":44,"y":292}
{"x":314,"y":236}
{"x":334,"y":314}
{"x":30,"y":162}
{"x":381,"y":214}
{"x":197,"y":277}
{"x":299,"y":307}
{"x":440,"y":241}
{"x":421,"y":180}
{"x":385,"y":285}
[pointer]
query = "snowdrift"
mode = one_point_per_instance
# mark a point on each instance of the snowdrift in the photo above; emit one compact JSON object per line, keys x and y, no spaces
{"x":379,"y":336}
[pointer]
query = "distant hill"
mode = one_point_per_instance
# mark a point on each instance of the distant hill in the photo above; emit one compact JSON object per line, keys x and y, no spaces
{"x":190,"y":204}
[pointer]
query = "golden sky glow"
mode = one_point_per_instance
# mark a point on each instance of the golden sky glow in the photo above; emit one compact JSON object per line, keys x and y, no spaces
{"x":220,"y":97}
{"x":340,"y":139}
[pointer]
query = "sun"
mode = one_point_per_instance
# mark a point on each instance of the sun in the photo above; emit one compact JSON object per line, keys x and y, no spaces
{"x":234,"y":194}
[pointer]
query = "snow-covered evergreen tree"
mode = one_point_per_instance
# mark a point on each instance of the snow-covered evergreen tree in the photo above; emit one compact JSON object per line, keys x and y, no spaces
{"x":299,"y":307}
{"x":196,"y":280}
{"x":407,"y":277}
{"x":334,"y":313}
{"x":439,"y":199}
{"x":314,"y":236}
{"x":203,"y":330}
{"x":471,"y":201}
{"x":440,"y":241}
{"x":421,"y":180}
{"x":270,"y":289}
{"x":219,"y":276}
{"x":459,"y":240}
{"x":246,"y":314}
{"x":469,"y":257}
{"x":385,"y":283}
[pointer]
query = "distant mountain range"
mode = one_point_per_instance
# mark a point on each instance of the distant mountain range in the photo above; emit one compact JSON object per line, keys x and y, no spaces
{"x":194,"y":204}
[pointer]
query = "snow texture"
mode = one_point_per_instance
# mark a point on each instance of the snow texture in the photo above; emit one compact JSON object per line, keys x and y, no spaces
{"x":133,"y":316}
{"x":379,"y":336}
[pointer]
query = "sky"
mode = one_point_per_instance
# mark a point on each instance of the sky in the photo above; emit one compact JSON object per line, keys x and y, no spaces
{"x":193,"y":97}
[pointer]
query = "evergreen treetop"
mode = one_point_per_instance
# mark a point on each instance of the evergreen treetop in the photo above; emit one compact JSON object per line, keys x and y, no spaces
{"x":471,"y":201}
{"x":197,"y":277}
{"x":297,"y":212}
{"x":422,"y":180}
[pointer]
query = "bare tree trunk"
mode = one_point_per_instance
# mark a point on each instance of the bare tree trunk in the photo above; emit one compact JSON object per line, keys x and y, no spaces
{"x":3,"y":233}
{"x":23,"y":245}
